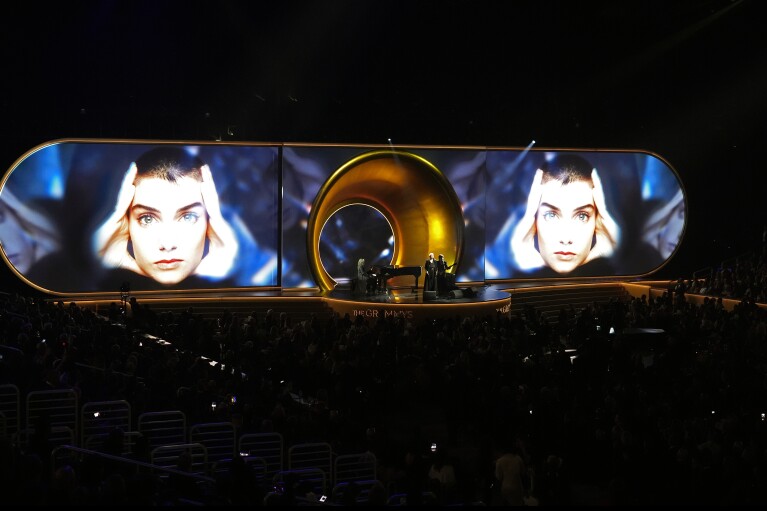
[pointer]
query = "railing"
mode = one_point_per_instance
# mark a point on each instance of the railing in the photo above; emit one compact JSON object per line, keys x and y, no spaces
{"x":170,"y":455}
{"x":314,"y":479}
{"x":268,"y":446}
{"x":55,"y":409}
{"x":354,"y":467}
{"x":64,"y":454}
{"x":311,"y":455}
{"x":10,"y":409}
{"x":163,"y":428}
{"x":360,"y":488}
{"x":102,"y":417}
{"x":219,"y":438}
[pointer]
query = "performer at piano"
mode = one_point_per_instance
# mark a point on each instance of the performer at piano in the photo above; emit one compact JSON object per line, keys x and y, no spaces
{"x":374,"y":280}
{"x":430,"y":280}
{"x":442,"y":268}
{"x":361,"y":283}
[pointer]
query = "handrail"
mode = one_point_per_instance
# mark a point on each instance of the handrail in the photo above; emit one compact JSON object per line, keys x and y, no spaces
{"x":104,"y":369}
{"x":129,"y":461}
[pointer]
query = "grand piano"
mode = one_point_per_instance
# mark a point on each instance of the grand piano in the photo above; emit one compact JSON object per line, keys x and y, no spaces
{"x":383,"y":273}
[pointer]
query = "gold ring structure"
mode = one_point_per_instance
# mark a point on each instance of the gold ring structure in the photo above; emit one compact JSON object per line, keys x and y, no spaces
{"x":413,"y":195}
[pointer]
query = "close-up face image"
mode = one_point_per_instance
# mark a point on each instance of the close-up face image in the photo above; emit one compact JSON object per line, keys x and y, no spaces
{"x":167,"y":227}
{"x":565,"y":224}
{"x":78,"y":217}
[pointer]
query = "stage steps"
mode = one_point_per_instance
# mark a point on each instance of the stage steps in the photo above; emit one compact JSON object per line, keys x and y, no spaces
{"x":298,"y":309}
{"x":299,"y":305}
{"x":550,"y":299}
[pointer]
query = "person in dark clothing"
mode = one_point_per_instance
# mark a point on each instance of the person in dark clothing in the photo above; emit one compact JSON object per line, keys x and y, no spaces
{"x":430,"y":278}
{"x":442,"y":282}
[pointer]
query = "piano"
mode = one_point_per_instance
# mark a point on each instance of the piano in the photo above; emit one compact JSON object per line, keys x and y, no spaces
{"x":385,"y":272}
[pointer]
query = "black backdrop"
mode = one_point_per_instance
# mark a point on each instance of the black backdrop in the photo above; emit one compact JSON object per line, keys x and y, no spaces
{"x":683,"y":79}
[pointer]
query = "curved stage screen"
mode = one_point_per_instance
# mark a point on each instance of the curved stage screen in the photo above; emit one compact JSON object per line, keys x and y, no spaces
{"x":90,"y":216}
{"x":87,"y":216}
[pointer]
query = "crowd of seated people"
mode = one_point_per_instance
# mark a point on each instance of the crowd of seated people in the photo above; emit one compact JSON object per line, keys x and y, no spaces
{"x":742,"y":278}
{"x":579,"y":412}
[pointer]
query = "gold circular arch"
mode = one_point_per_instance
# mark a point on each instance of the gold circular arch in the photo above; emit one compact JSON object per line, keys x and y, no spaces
{"x":412,"y":194}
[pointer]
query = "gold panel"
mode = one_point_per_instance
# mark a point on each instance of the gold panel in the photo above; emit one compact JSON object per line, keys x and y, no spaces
{"x":412,"y":194}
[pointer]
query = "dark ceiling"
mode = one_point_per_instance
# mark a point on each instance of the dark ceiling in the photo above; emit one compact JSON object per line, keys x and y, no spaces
{"x":684,"y":79}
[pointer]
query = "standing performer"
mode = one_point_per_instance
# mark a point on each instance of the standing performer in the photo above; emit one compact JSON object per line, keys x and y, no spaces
{"x":430,"y":280}
{"x":442,"y":268}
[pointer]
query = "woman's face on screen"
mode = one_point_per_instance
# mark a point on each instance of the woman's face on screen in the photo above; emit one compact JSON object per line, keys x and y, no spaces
{"x":168,"y":224}
{"x":565,"y":224}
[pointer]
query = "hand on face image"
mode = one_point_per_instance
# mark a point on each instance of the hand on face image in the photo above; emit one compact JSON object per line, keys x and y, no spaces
{"x":222,"y":246}
{"x":523,"y":239}
{"x":606,"y":230}
{"x":566,"y":223}
{"x":166,"y":217}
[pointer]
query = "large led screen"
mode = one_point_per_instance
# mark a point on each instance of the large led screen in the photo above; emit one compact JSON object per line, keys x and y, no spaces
{"x":383,"y":205}
{"x":93,"y":216}
{"x":90,"y":216}
{"x":555,"y":214}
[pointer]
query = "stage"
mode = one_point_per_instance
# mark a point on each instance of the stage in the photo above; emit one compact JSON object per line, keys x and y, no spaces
{"x":406,"y":302}
{"x":474,"y":299}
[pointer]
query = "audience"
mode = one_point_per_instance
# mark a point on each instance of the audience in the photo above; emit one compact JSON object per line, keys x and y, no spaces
{"x":574,"y":413}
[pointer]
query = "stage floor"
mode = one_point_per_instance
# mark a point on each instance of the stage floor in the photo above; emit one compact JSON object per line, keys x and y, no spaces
{"x":478,"y":299}
{"x":405,"y":302}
